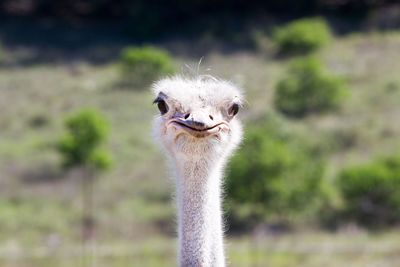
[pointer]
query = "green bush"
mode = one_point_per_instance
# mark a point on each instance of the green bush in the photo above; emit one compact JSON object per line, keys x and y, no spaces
{"x":308,"y":87}
{"x":302,"y":36}
{"x":371,"y":192}
{"x":87,"y":130}
{"x":141,"y":66}
{"x":275,"y":174}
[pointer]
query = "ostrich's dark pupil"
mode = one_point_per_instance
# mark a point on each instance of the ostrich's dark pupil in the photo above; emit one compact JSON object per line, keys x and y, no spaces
{"x":162,"y":106}
{"x":234,"y":109}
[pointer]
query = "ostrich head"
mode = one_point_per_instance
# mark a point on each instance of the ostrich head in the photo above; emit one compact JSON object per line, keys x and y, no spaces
{"x":197,"y":117}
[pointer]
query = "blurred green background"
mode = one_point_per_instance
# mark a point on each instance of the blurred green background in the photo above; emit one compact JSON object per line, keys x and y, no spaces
{"x":315,"y":183}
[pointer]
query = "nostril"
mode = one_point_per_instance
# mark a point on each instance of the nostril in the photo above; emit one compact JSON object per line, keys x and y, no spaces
{"x":211,"y":117}
{"x":187,"y":116}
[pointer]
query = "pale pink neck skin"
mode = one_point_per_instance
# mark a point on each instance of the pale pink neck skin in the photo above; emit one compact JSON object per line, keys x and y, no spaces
{"x":200,"y":229}
{"x":198,"y":165}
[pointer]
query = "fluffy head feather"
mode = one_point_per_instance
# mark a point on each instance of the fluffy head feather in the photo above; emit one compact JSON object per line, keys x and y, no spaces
{"x":205,"y":89}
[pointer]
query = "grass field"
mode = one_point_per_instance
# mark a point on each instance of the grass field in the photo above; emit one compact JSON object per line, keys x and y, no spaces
{"x":308,"y":249}
{"x":40,"y":205}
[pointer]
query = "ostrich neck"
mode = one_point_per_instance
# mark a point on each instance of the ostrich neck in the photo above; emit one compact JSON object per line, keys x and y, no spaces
{"x":199,"y":213}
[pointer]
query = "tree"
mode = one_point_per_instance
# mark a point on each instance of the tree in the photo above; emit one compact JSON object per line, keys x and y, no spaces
{"x":81,"y":148}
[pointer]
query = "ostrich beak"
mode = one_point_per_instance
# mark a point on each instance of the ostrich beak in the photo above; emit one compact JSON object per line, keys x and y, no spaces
{"x":197,"y":129}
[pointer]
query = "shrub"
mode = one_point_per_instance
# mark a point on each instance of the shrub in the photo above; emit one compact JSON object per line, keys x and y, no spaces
{"x":275,"y":173}
{"x":302,"y":36}
{"x":141,"y":66}
{"x":308,"y":87}
{"x":87,"y":130}
{"x":371,"y":192}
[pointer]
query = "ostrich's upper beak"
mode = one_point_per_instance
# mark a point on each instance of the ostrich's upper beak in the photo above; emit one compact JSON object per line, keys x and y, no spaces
{"x":194,"y":125}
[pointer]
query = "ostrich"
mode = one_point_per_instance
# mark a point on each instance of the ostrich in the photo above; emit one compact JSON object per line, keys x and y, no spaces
{"x":198,"y":130}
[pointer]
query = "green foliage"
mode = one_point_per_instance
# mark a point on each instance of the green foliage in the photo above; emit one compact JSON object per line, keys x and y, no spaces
{"x":371,"y":191}
{"x":302,"y":36}
{"x":277,"y":171}
{"x":308,"y":87}
{"x":141,"y":66}
{"x":87,"y":130}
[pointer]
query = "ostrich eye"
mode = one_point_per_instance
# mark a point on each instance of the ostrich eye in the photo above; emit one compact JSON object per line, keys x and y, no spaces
{"x":162,"y":106}
{"x":234,"y":109}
